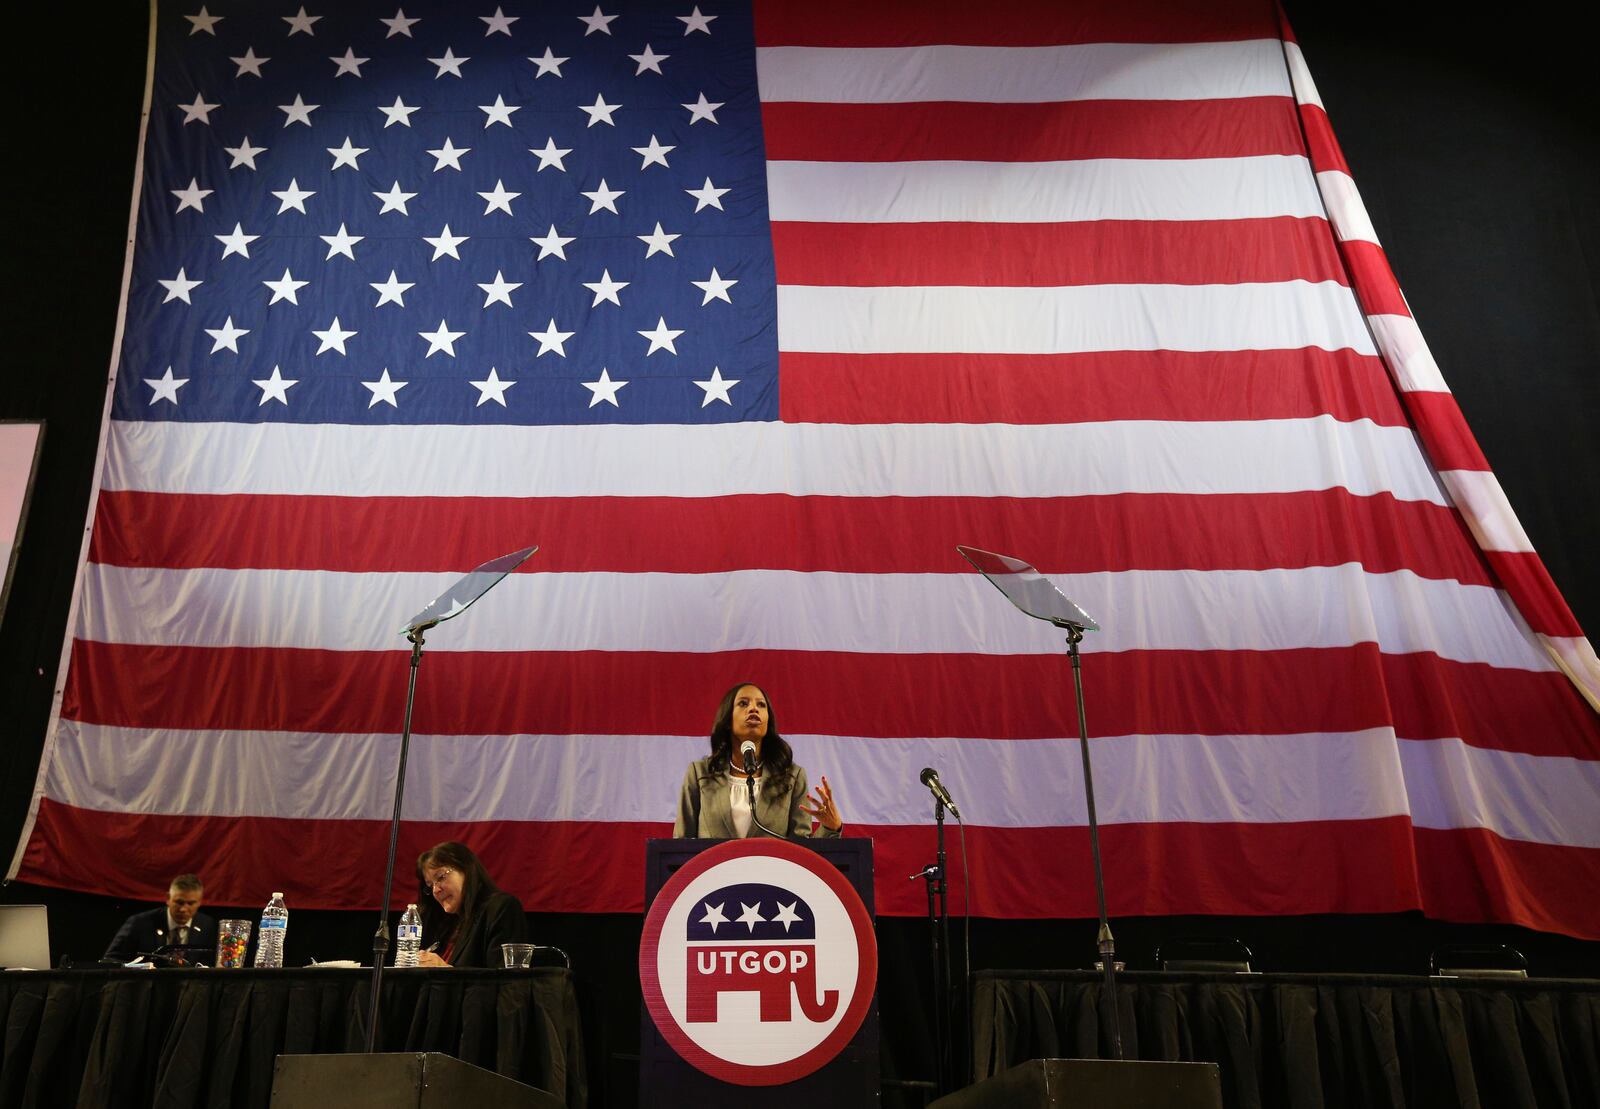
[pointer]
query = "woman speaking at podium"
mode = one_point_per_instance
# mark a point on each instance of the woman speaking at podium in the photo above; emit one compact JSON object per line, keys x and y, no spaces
{"x":715,"y":802}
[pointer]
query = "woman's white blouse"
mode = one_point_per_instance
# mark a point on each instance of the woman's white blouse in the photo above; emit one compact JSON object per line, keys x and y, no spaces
{"x":739,"y":802}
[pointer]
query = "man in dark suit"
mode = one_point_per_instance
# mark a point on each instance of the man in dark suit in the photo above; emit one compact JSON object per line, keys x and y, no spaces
{"x":178,"y":923}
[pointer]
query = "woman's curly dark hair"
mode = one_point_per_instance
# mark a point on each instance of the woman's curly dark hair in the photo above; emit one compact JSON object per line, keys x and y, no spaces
{"x":777,"y":757}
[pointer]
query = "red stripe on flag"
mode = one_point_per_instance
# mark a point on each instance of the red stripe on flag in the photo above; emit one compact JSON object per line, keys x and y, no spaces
{"x":1369,"y":274}
{"x":1450,"y":442}
{"x":1130,"y":531}
{"x":1420,"y":696}
{"x":1524,"y":576}
{"x":1097,"y":252}
{"x":1085,"y":387}
{"x":1320,"y":142}
{"x":1006,"y":23}
{"x":1227,"y":869}
{"x":1047,"y":132}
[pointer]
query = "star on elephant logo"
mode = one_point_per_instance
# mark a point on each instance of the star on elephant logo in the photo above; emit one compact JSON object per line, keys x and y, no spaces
{"x":758,"y":962}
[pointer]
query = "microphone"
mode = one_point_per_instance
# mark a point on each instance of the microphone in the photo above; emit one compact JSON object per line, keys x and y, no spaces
{"x":930,"y":778}
{"x":747,"y":752}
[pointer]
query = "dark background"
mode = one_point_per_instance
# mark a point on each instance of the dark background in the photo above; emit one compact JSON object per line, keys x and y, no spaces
{"x":1474,"y":145}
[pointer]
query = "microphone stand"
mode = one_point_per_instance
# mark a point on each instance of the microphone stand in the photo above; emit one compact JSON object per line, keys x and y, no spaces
{"x":937,"y":878}
{"x":380,"y":938}
{"x":1105,"y":942}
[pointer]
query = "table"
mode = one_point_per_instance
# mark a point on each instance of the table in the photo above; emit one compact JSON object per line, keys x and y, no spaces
{"x":1315,"y":1040}
{"x":179,"y":1038}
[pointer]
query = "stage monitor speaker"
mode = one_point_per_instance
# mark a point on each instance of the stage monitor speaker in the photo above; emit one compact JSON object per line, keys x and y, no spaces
{"x":412,"y":1080}
{"x":1093,"y":1084}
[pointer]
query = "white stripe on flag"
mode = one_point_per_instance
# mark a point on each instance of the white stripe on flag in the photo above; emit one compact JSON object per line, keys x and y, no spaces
{"x":846,"y":460}
{"x":1256,"y":187}
{"x":783,"y":610}
{"x":1032,"y":783}
{"x":1287,"y":315}
{"x":1022,"y":74}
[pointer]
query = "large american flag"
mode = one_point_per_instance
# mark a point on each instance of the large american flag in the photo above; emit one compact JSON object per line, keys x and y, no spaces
{"x":748,"y":318}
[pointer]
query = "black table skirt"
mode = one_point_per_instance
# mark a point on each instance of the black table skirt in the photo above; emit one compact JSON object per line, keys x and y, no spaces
{"x":1315,"y":1040}
{"x":178,"y":1038}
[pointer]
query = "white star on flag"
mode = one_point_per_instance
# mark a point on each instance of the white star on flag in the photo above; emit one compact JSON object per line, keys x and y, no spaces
{"x":204,"y":22}
{"x":448,"y":63}
{"x":499,"y":290}
{"x":606,"y":289}
{"x":275,"y":388}
{"x":552,"y":340}
{"x":300,"y":22}
{"x":394,"y":200}
{"x":604,"y":390}
{"x":549,"y":63}
{"x":702,"y":109}
{"x":499,"y":199}
{"x":551,"y":155}
{"x":192,"y":197}
{"x":166,"y":386}
{"x":448,"y":155}
{"x":604,"y":197}
{"x":285,"y":288}
{"x":596,"y":22}
{"x":654,"y":154}
{"x":659,"y":242}
{"x":499,"y":23}
{"x":498,"y":112}
{"x":293,"y":197}
{"x":661,"y":337}
{"x":392,"y":291}
{"x":398,"y":112}
{"x":249,"y":63}
{"x":648,"y":60}
{"x":349,"y":64}
{"x":244,"y":154}
{"x":347,"y":154}
{"x":236,"y":242}
{"x":715,"y":287}
{"x":708,"y":196}
{"x":333,"y":338}
{"x":599,"y":111}
{"x":492,"y":388}
{"x":442,"y":339}
{"x":178,"y":288}
{"x":298,"y":112}
{"x":198,"y":110}
{"x":552,"y":243}
{"x":398,"y":24}
{"x":341,"y":243}
{"x":445,"y":243}
{"x":384,"y":389}
{"x":694,"y":21}
{"x":716,"y":388}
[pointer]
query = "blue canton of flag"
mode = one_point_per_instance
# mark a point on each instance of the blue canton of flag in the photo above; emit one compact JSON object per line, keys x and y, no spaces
{"x":436,"y":215}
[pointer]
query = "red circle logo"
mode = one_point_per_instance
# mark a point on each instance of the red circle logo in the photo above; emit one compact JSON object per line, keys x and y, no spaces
{"x":758,"y":962}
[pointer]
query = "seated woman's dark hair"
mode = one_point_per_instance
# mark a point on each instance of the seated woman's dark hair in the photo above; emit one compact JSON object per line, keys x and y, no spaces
{"x":476,"y":886}
{"x":777,"y":757}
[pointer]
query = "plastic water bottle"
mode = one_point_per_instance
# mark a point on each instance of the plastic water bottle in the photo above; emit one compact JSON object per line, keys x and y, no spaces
{"x":408,"y":938}
{"x":274,"y":926}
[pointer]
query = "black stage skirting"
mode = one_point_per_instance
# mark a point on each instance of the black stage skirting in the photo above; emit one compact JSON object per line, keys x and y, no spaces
{"x":175,"y":1038}
{"x":1291,"y":1040}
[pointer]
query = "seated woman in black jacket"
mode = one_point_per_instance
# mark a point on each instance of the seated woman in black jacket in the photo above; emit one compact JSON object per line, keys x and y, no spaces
{"x":465,"y":918}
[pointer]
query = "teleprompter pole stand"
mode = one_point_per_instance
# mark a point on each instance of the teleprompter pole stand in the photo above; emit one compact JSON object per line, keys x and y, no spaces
{"x":937,"y":877}
{"x":380,"y":938}
{"x":1105,"y":942}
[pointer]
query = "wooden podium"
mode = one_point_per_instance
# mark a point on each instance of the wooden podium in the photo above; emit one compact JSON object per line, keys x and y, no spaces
{"x":850,"y":1078}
